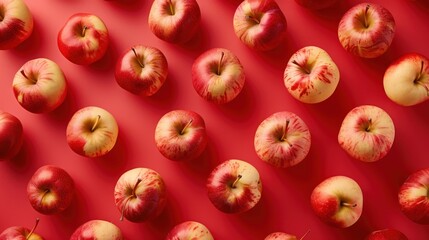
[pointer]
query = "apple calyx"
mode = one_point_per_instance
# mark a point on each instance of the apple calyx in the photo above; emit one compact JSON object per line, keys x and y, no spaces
{"x":285,"y":131}
{"x":305,"y":234}
{"x":133,"y":195}
{"x":170,"y":4}
{"x":220,"y":63}
{"x":305,"y":68}
{"x":239,"y":176}
{"x":138,"y":58}
{"x":186,"y":126}
{"x":34,"y":228}
{"x":94,"y":126}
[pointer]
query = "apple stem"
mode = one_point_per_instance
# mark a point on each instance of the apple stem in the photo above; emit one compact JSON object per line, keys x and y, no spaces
{"x":285,"y":130}
{"x":128,"y":198}
{"x":252,"y":18}
{"x":186,"y":126}
{"x":25,"y":75}
{"x":43,"y":196}
{"x":138,"y":58}
{"x":94,"y":126}
{"x":365,"y":17}
{"x":305,"y":234}
{"x":220,"y":63}
{"x":368,"y":127}
{"x":299,"y":65}
{"x":171,"y":7}
{"x":236,"y":180}
{"x":84,"y":30}
{"x":349,"y":204}
{"x":34,"y":228}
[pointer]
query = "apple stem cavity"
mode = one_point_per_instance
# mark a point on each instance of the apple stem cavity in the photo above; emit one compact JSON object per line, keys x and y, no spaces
{"x":34,"y":228}
{"x":138,"y":58}
{"x":26,"y":77}
{"x":305,"y":234}
{"x":186,"y":126}
{"x":306,"y":70}
{"x":94,"y":126}
{"x":219,"y":66}
{"x":236,"y":181}
{"x":172,"y":12}
{"x":133,"y":195}
{"x":253,"y":18}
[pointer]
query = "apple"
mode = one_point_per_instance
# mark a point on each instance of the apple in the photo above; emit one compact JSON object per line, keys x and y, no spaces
{"x":367,"y":133}
{"x":181,"y":135}
{"x":189,"y":230}
{"x":337,"y":201}
{"x":234,"y":186}
{"x":260,"y":25}
{"x":218,"y":76}
{"x":284,"y":236}
{"x":142,"y":70}
{"x":406,"y":80}
{"x":97,"y":229}
{"x":311,"y":76}
{"x":92,"y":132}
{"x":174,"y":21}
{"x":367,"y":30}
{"x":413,"y":196}
{"x":21,"y":233}
{"x":11,"y":135}
{"x":316,"y":4}
{"x":83,"y":39}
{"x":16,"y":23}
{"x":386,"y":234}
{"x":140,"y":195}
{"x":282,"y":139}
{"x":50,"y":190}
{"x":40,"y":86}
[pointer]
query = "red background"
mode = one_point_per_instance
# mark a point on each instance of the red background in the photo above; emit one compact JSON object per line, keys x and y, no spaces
{"x":285,"y":202}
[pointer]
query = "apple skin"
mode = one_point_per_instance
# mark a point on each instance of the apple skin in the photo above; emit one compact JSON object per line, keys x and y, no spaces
{"x":406,"y":80}
{"x":83,"y":39}
{"x":11,"y":135}
{"x":97,"y":229}
{"x":50,"y":190}
{"x":189,"y":230}
{"x":280,"y":236}
{"x":311,"y":76}
{"x":367,"y":133}
{"x":218,"y":75}
{"x":386,"y":234}
{"x":20,"y":233}
{"x":174,"y":21}
{"x":234,"y":186}
{"x":16,"y":23}
{"x":337,"y":201}
{"x":316,"y":4}
{"x":370,"y":38}
{"x":413,"y":197}
{"x":260,"y":25}
{"x":181,"y":135}
{"x":142,"y":70}
{"x":140,"y":195}
{"x":282,"y":139}
{"x":40,"y":86}
{"x":92,"y":132}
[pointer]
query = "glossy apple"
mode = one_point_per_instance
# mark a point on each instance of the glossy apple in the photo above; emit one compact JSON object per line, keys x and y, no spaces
{"x":284,"y":236}
{"x":367,"y":133}
{"x":92,"y":132}
{"x":50,"y":190}
{"x":282,"y":139}
{"x":181,"y":135}
{"x":386,"y":234}
{"x":189,"y":230}
{"x":83,"y":39}
{"x":11,"y":135}
{"x":16,"y":23}
{"x":174,"y":21}
{"x":234,"y":186}
{"x":142,"y":70}
{"x":97,"y":229}
{"x":260,"y":25}
{"x":367,"y":30}
{"x":21,"y":233}
{"x":40,"y":86}
{"x":337,"y":201}
{"x":140,"y":194}
{"x":414,"y":196}
{"x":218,"y":75}
{"x":316,"y":4}
{"x":311,"y":76}
{"x":406,"y":80}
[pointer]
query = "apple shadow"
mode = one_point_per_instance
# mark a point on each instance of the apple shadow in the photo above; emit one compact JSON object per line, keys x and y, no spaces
{"x":127,"y":5}
{"x":32,"y":45}
{"x":20,"y":162}
{"x":108,"y":61}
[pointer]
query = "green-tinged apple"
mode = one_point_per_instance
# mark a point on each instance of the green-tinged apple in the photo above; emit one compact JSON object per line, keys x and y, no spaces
{"x":337,"y":201}
{"x":140,"y":195}
{"x":367,"y":30}
{"x":142,"y":70}
{"x":83,"y":39}
{"x":181,"y":135}
{"x":311,"y":76}
{"x":189,"y":230}
{"x":11,"y":135}
{"x":282,"y":139}
{"x":97,"y":230}
{"x":218,"y":75}
{"x":284,"y":236}
{"x":367,"y":133}
{"x":174,"y":21}
{"x":16,"y":23}
{"x":21,"y":233}
{"x":316,"y":4}
{"x":234,"y":186}
{"x":40,"y":86}
{"x":50,"y":190}
{"x":406,"y":80}
{"x":386,"y":234}
{"x":92,"y":132}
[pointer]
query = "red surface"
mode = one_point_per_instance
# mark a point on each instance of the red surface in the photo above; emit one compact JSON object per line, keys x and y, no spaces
{"x":285,"y":199}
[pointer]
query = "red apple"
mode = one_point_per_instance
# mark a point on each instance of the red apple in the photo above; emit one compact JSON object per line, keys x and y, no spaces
{"x":50,"y":190}
{"x":218,"y":76}
{"x":140,"y":194}
{"x":40,"y":86}
{"x":234,"y":186}
{"x":142,"y":70}
{"x":21,"y":233}
{"x":97,"y":229}
{"x":189,"y":230}
{"x":386,"y":234}
{"x":83,"y":39}
{"x":284,"y":236}
{"x":16,"y":23}
{"x":260,"y":25}
{"x":316,"y":4}
{"x":181,"y":135}
{"x":11,"y":135}
{"x":174,"y":21}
